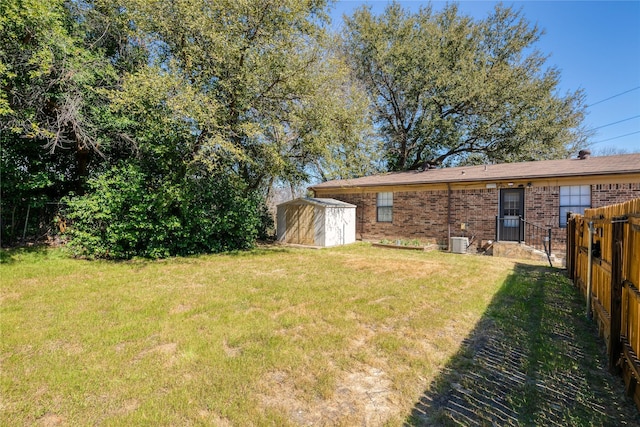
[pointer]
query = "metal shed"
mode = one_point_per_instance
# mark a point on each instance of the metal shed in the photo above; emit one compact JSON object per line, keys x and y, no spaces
{"x":318,"y":222}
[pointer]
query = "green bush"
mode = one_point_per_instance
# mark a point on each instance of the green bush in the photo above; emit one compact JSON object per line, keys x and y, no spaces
{"x":129,"y":213}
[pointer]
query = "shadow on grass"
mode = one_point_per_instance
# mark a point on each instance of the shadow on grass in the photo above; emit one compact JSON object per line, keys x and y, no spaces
{"x":533,"y":359}
{"x":259,"y":251}
{"x":11,"y":255}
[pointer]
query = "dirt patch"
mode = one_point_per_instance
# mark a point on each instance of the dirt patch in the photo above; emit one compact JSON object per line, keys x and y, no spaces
{"x":213,"y":419}
{"x":51,"y":420}
{"x":166,"y":351}
{"x":127,"y":407}
{"x":180,"y":308}
{"x":168,"y":348}
{"x":231,"y":351}
{"x":363,"y":397}
{"x":9,"y":297}
{"x":65,"y":347}
{"x":393,"y":266}
{"x":296,"y":309}
{"x":370,"y":391}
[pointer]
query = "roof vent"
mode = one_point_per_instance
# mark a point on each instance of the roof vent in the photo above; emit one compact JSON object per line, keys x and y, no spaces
{"x":583,"y":154}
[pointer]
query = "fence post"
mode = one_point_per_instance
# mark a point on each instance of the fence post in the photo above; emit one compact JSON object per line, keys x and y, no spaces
{"x":571,"y":243}
{"x":589,"y":268}
{"x":520,"y":229}
{"x":615,"y":345}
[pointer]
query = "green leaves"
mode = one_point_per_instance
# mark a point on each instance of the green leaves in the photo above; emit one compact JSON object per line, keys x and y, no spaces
{"x":446,"y":89}
{"x":49,"y":106}
{"x":128,"y":213}
{"x":48,"y":76}
{"x":261,"y":92}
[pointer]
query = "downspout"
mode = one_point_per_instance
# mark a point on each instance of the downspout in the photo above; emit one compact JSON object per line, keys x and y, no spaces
{"x":589,"y":268}
{"x":449,"y":216}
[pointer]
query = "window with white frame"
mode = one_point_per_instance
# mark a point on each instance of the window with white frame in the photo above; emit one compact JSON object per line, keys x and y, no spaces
{"x":573,"y":198}
{"x":385,"y":207}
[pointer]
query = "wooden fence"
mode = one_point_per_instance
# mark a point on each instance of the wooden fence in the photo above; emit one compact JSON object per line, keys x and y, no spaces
{"x":603,"y":260}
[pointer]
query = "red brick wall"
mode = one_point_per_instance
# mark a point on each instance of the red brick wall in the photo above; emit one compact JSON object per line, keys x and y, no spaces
{"x":542,"y":208}
{"x":611,"y":194}
{"x":424,"y":215}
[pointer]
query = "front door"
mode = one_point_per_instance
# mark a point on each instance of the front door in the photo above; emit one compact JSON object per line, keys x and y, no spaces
{"x":511,"y":209}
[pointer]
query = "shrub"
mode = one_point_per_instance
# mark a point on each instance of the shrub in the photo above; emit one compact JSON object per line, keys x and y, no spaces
{"x":127,"y":213}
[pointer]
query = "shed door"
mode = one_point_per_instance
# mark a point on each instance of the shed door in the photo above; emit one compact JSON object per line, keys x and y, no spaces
{"x":299,"y":224}
{"x":511,"y":209}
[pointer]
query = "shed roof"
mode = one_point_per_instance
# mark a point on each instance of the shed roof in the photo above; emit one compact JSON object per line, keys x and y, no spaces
{"x":590,"y":166}
{"x":324,"y":202}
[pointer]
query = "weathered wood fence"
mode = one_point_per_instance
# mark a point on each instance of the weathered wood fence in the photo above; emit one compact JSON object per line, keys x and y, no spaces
{"x":603,"y":260}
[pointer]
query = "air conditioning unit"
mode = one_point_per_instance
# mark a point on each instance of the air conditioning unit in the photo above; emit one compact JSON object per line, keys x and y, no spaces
{"x":459,"y":245}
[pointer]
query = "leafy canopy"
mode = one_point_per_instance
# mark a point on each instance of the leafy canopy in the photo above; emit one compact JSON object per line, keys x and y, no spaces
{"x":170,"y":120}
{"x":158,"y":116}
{"x":263,"y":95}
{"x":446,"y":89}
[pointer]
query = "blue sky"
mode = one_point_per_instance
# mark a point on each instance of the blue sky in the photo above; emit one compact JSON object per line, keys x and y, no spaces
{"x":596,"y":46}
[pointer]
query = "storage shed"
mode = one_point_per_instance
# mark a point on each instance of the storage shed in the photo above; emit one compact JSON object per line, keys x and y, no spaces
{"x":318,"y":222}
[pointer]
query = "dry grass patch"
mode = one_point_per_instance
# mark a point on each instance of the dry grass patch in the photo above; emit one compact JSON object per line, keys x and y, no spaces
{"x":276,"y":336}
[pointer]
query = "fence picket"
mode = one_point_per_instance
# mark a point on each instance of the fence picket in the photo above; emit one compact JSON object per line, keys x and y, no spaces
{"x":615,"y":287}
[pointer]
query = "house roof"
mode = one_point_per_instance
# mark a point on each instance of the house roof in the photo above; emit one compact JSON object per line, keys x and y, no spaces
{"x":318,"y":202}
{"x":590,"y":166}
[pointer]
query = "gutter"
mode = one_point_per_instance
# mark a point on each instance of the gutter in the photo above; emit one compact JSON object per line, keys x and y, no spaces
{"x":471,"y":180}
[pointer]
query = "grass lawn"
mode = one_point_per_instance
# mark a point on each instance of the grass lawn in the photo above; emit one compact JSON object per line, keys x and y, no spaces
{"x":347,"y":336}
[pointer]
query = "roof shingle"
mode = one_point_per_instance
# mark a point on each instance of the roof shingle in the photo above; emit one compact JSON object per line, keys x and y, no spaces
{"x":606,"y":165}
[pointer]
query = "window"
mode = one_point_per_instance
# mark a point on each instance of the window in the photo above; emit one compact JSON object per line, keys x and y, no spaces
{"x":385,"y":207}
{"x":511,"y":203}
{"x":574,"y":198}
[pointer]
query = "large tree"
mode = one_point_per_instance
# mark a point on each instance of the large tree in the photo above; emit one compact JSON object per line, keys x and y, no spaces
{"x":50,"y":78}
{"x":446,"y":89}
{"x":264,"y":97}
{"x":51,"y":73}
{"x":195,"y":107}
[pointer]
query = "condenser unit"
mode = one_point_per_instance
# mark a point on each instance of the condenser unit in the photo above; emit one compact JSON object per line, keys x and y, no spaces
{"x":459,"y":245}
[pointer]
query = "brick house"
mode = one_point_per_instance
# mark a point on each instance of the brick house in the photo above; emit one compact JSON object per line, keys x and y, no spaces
{"x":485,"y":202}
